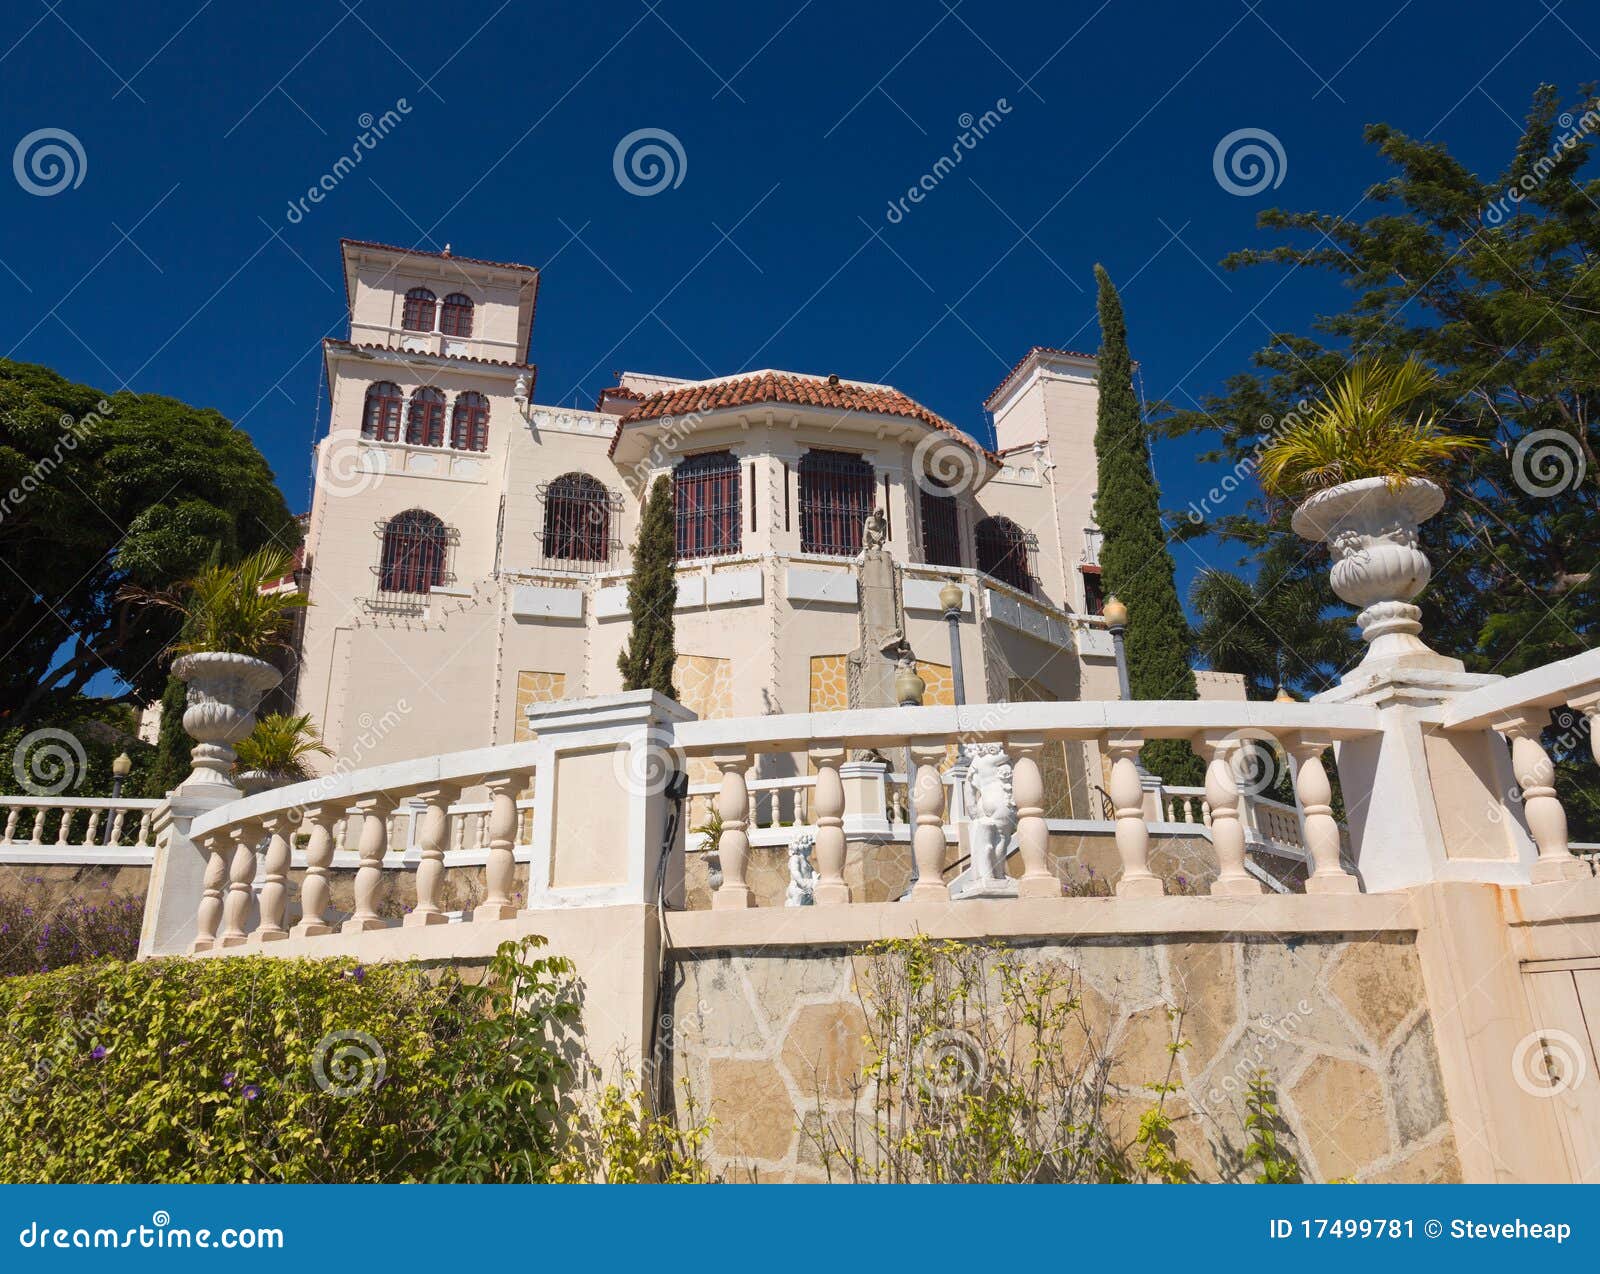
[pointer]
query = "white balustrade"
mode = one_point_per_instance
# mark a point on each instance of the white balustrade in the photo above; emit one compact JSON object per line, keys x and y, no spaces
{"x":82,"y":822}
{"x":374,"y":813}
{"x":1547,"y":821}
{"x":314,"y":886}
{"x":499,"y":874}
{"x":1133,"y":835}
{"x":928,"y":840}
{"x":275,"y":876}
{"x":432,"y":836}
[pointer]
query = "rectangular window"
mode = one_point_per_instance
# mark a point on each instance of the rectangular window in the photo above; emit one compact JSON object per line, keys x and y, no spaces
{"x":941,"y":532}
{"x":705,"y":492}
{"x":835,"y":499}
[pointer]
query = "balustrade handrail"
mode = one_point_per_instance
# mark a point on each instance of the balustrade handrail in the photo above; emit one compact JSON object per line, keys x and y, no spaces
{"x":80,"y":802}
{"x":1147,"y":719}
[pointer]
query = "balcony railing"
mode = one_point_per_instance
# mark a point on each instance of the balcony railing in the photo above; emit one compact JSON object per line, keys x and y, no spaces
{"x":34,"y":824}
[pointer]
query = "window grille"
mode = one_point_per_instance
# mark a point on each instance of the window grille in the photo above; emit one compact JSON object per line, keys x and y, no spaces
{"x":705,"y":491}
{"x":1006,"y":552}
{"x":835,"y":499}
{"x":579,"y":514}
{"x":941,"y":530}
{"x":414,"y":557}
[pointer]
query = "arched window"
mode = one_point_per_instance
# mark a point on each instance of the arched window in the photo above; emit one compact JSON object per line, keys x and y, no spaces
{"x":414,"y":548}
{"x":455,"y":318}
{"x":425,"y":420}
{"x":835,"y":498}
{"x":577,"y":519}
{"x":469,"y":422}
{"x":941,"y":530}
{"x":1003,"y":552}
{"x":705,"y":495}
{"x":381,"y":417}
{"x":418,"y":313}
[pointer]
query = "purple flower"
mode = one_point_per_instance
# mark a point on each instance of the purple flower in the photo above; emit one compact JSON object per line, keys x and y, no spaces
{"x":359,"y":973}
{"x":98,"y":1052}
{"x":250,"y":1092}
{"x":227,"y":1080}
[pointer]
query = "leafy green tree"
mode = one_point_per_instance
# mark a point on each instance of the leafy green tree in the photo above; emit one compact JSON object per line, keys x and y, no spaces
{"x":1495,"y":284}
{"x":99,"y":493}
{"x":171,"y":764}
{"x":646,"y":661}
{"x":1134,"y":560}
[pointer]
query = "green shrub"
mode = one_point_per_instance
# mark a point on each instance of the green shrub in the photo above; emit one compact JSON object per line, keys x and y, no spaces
{"x":253,"y":1069}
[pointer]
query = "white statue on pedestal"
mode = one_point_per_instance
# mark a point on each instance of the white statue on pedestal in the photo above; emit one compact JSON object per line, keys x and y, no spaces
{"x":993,"y":818}
{"x":802,"y":875}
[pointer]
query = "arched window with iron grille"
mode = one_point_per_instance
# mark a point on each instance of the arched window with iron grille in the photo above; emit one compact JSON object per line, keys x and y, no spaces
{"x":380,"y":419}
{"x":469,"y":422}
{"x":835,"y":499}
{"x":705,"y":494}
{"x":577,"y":520}
{"x":417,"y":313}
{"x":1005,"y":551}
{"x":941,"y":528}
{"x":455,"y":316}
{"x":414,"y":555}
{"x":425,"y":419}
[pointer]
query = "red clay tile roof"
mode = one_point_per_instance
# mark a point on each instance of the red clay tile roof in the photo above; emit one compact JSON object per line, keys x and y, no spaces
{"x":784,"y":387}
{"x":423,"y":252}
{"x":454,"y":358}
{"x":1037,"y":349}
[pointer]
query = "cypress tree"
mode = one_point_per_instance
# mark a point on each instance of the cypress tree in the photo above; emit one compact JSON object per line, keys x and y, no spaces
{"x":1134,"y":561}
{"x":173,"y":744}
{"x":646,"y":661}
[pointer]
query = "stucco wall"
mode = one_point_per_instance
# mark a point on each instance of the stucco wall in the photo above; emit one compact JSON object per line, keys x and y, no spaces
{"x":1338,"y":1022}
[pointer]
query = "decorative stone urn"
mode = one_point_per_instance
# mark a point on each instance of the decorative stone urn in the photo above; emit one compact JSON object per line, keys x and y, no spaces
{"x":224,"y":691}
{"x":1371,"y":529}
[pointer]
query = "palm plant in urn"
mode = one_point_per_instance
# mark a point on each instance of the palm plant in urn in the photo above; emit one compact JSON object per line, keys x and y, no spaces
{"x":1362,"y":464}
{"x":232,"y":617}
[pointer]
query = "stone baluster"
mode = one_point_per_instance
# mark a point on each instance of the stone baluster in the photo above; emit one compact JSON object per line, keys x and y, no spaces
{"x":314,"y":891}
{"x":275,"y":877}
{"x":37,"y":835}
{"x":433,"y":834}
{"x":1132,"y":832}
{"x":62,"y":830}
{"x":11,"y":825}
{"x":830,"y":889}
{"x":93,"y":830}
{"x":1319,"y":828}
{"x":373,"y":845}
{"x":1589,"y":705}
{"x":1227,"y":832}
{"x":1547,"y":821}
{"x":1033,"y":834}
{"x":143,"y":838}
{"x":927,"y":840}
{"x":209,"y":914}
{"x":500,"y":874}
{"x":733,"y":848}
{"x":118,"y":822}
{"x":241,"y":876}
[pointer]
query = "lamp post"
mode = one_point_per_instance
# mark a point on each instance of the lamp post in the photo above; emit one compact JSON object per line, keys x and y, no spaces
{"x":1116,"y":616}
{"x":120,"y":769}
{"x":951,"y":597}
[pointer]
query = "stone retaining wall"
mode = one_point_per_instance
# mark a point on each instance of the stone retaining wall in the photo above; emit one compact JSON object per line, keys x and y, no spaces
{"x":770,"y":1039}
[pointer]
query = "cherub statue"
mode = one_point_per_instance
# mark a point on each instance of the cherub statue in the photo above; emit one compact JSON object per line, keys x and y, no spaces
{"x":802,"y":875}
{"x":876,"y":531}
{"x":993,"y":812}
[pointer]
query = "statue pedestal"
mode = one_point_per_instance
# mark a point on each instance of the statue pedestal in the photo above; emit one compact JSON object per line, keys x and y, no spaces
{"x":1006,"y":888}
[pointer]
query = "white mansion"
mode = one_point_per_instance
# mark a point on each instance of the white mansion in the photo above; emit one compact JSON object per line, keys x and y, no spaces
{"x":468,"y":550}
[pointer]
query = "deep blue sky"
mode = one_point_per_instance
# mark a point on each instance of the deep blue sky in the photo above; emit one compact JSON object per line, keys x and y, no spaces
{"x":172,"y":267}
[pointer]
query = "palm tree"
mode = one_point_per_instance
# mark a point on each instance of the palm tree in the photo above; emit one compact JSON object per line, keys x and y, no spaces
{"x":1364,"y":428}
{"x":1272,"y":629}
{"x":279,"y":746}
